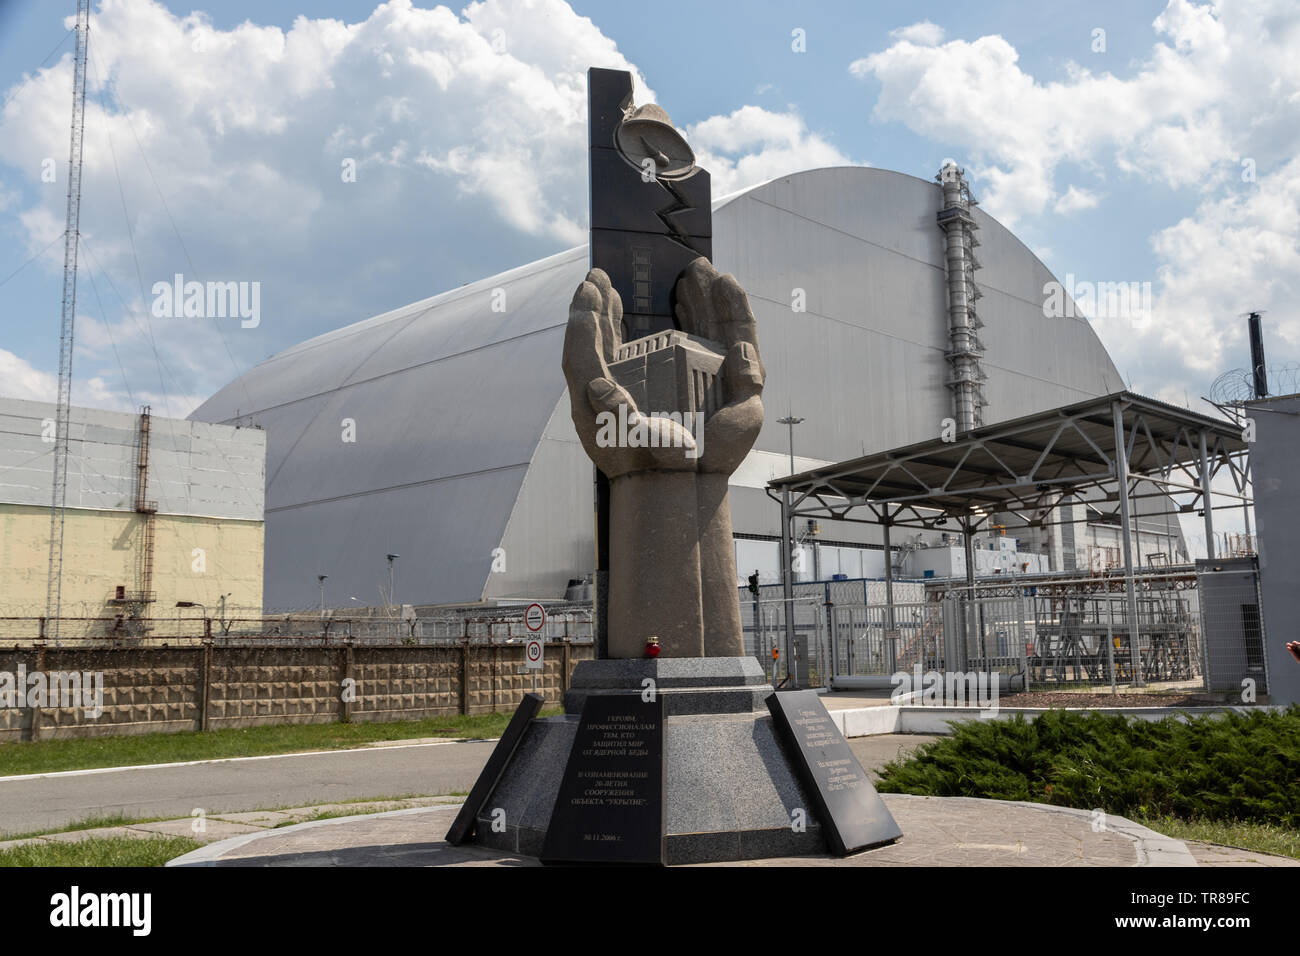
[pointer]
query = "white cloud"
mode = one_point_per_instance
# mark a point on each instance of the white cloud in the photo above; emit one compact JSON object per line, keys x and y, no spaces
{"x":468,"y":133}
{"x":924,"y":33}
{"x":22,"y":380}
{"x":752,"y":145}
{"x":1076,"y":199}
{"x":1235,"y":254}
{"x":1221,"y":85}
{"x":1208,"y":92}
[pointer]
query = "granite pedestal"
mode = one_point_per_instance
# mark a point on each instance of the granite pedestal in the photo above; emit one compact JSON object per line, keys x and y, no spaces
{"x":730,"y":790}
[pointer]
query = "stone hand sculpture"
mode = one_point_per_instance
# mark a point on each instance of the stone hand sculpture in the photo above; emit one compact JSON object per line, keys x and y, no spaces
{"x":672,"y":564}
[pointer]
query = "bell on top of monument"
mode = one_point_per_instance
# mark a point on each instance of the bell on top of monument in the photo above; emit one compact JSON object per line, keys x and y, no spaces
{"x":647,"y":133}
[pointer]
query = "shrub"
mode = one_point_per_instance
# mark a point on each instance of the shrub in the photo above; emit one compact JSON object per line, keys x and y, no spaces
{"x":1216,"y":767}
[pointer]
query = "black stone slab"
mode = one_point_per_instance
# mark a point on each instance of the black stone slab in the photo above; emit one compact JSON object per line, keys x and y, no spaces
{"x":610,"y":806}
{"x":643,"y":234}
{"x":621,"y":198}
{"x":463,"y":826}
{"x":852,"y":814}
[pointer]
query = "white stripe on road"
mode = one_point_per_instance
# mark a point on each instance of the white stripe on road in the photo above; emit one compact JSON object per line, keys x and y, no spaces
{"x":197,"y":763}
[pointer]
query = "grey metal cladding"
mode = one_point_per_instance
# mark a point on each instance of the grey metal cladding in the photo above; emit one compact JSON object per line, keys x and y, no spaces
{"x":194,"y":468}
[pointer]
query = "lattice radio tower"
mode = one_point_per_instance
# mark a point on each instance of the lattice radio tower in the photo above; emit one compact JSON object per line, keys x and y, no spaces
{"x":71,"y":239}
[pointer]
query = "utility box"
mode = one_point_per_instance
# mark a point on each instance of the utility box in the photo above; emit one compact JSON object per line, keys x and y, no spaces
{"x":1232,"y":628}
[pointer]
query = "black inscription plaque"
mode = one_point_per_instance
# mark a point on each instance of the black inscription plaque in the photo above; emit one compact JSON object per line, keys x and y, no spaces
{"x":852,"y":814}
{"x":610,"y":807}
{"x":463,"y":827}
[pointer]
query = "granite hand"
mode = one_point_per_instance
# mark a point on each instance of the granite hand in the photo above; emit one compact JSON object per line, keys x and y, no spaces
{"x":714,"y":307}
{"x":591,"y":340}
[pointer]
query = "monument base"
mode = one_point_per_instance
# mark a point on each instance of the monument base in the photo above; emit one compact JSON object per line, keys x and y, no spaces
{"x":731,"y":789}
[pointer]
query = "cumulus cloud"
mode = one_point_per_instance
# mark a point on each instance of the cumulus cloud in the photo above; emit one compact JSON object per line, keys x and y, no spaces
{"x":348,"y":168}
{"x":753,"y":145}
{"x":924,"y":33}
{"x":23,"y":380}
{"x":1236,"y":253}
{"x":1212,"y":111}
{"x":1208,"y":91}
{"x":1075,"y":199}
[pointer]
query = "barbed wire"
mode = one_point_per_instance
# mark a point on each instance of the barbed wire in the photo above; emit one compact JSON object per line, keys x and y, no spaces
{"x":1237,"y":385}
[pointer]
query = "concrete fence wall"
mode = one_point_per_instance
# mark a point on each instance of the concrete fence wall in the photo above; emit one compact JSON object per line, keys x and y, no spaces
{"x":205,"y":687}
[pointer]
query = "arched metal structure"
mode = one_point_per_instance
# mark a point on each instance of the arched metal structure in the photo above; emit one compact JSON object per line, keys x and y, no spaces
{"x":464,"y":458}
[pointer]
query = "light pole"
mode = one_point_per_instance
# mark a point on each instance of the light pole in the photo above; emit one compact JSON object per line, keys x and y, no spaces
{"x":321,"y":579}
{"x":225,"y":628}
{"x":181,"y":604}
{"x":791,"y":421}
{"x":391,"y":558}
{"x":788,"y":559}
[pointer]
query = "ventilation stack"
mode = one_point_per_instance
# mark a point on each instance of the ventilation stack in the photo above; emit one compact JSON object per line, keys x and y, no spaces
{"x":1259,"y":374}
{"x":964,"y":347}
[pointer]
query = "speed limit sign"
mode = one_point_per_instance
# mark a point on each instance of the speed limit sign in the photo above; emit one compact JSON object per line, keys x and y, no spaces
{"x":534,"y":651}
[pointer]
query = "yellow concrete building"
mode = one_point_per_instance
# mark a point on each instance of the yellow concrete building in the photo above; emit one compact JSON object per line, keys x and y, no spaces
{"x":159,"y":512}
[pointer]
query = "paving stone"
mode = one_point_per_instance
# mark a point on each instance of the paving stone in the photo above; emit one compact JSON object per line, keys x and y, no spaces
{"x":950,"y":831}
{"x":213,"y":830}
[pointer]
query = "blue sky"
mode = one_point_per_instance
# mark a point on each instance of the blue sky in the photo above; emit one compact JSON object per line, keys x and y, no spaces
{"x":215,"y":136}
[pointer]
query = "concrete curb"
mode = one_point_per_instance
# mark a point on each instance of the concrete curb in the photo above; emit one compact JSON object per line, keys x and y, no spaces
{"x":927,"y":719}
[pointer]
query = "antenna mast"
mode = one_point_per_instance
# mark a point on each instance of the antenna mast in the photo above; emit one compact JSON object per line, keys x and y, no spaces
{"x":71,"y":237}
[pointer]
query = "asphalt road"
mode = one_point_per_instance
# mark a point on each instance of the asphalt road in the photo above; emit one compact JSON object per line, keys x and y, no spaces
{"x":290,"y":780}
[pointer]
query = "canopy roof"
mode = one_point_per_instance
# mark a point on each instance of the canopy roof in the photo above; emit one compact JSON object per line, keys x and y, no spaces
{"x":1025,"y":465}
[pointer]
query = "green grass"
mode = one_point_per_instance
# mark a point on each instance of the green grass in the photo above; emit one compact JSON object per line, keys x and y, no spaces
{"x":48,"y":756}
{"x":1260,"y":837}
{"x":1220,"y":769}
{"x":100,"y":851}
{"x":92,"y":822}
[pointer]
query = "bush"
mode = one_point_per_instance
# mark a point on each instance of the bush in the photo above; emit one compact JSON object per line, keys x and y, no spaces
{"x":1217,"y":767}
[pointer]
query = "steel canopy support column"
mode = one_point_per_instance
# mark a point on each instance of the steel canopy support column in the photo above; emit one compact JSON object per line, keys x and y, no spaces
{"x":970,"y":620}
{"x":968,"y":538}
{"x":889,"y":598}
{"x":1205,"y":500}
{"x":787,"y":581}
{"x":1130,"y":587}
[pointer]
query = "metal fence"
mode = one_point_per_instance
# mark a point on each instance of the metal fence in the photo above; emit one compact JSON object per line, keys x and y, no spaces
{"x":840,"y":629}
{"x":1079,"y":630}
{"x":1198,"y":629}
{"x":765,"y":638}
{"x":1049,"y":630}
{"x":564,"y":621}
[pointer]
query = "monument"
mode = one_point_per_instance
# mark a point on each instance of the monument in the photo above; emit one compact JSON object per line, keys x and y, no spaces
{"x":673,"y":747}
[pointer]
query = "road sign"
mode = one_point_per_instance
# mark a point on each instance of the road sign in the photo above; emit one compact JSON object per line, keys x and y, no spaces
{"x":534,"y":617}
{"x":534,"y":652}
